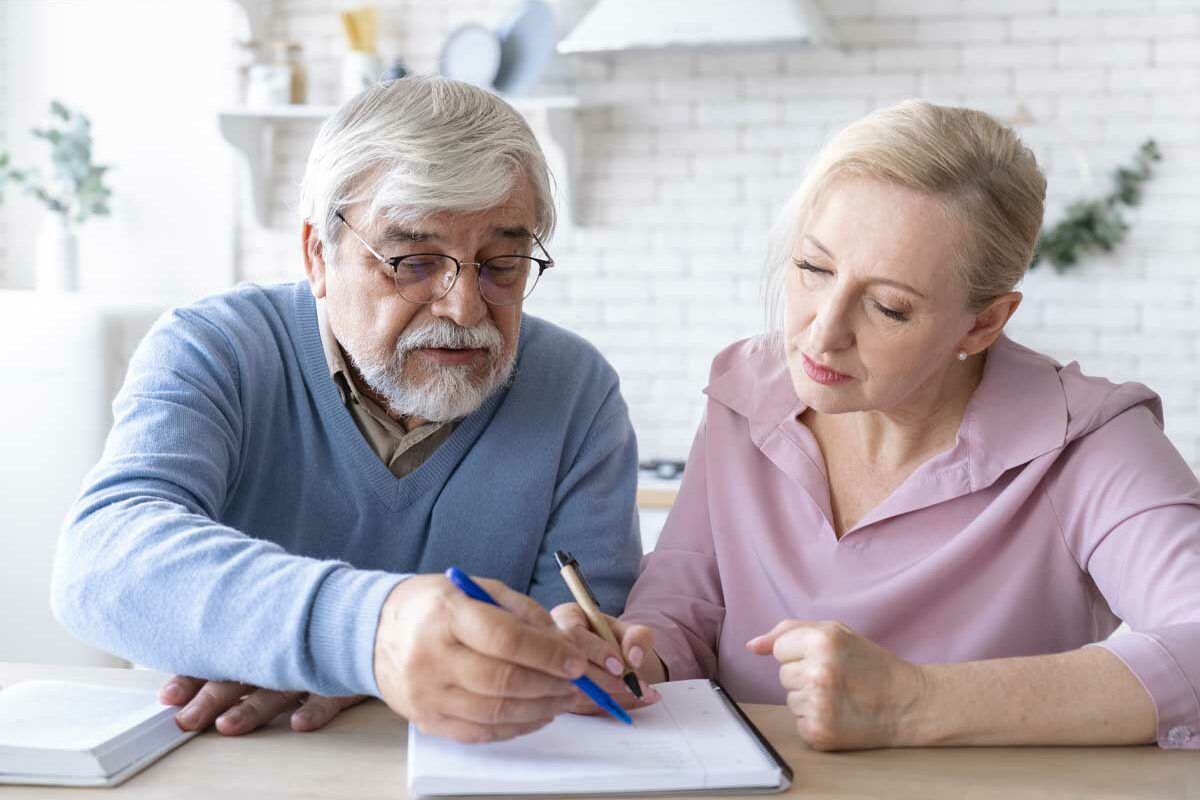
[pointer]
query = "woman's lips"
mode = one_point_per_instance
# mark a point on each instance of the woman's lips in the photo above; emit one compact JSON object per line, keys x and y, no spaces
{"x":822,"y":375}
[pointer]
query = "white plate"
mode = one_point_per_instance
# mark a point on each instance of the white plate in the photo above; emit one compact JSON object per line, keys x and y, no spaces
{"x":471,"y":54}
{"x":527,"y":42}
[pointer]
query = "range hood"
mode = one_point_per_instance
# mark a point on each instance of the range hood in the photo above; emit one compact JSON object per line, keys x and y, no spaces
{"x":614,"y":25}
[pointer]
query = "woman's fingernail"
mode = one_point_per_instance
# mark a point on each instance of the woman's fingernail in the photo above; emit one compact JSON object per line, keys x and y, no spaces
{"x":651,"y":694}
{"x":614,"y":666}
{"x":188,"y":717}
{"x":635,"y":656}
{"x":170,"y":693}
{"x":232,"y":717}
{"x":304,"y":715}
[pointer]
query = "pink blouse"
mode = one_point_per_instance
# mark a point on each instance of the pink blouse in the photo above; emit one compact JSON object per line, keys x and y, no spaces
{"x":1061,"y":510}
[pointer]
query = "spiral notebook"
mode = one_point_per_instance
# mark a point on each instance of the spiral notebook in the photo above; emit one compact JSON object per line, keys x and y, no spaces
{"x":695,"y":739}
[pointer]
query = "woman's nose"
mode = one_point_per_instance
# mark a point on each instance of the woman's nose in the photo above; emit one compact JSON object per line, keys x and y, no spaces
{"x":830,"y":329}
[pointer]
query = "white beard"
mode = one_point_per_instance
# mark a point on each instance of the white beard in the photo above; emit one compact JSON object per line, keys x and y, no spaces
{"x":451,"y":392}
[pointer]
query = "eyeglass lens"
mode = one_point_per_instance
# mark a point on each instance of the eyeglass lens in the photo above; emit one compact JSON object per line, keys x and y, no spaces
{"x":503,"y":280}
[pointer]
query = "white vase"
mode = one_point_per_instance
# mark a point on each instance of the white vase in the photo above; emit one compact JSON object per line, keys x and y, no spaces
{"x":360,"y":71}
{"x":56,"y":267}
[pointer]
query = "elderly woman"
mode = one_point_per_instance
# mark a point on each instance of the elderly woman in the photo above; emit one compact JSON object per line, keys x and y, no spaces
{"x":905,"y":526}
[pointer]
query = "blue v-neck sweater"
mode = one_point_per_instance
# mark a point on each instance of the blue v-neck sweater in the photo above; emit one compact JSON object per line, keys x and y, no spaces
{"x":239,"y":527}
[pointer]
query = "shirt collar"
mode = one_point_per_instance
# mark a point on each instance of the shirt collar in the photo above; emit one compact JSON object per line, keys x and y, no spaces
{"x":334,"y":358}
{"x":1016,"y":413}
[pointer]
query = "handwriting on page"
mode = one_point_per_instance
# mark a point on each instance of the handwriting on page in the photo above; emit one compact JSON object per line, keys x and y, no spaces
{"x":576,"y":746}
{"x":690,"y":740}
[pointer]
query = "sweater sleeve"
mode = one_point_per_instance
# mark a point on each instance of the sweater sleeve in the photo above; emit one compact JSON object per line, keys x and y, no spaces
{"x":594,"y":513}
{"x":145,"y":569}
{"x":678,"y":593}
{"x":1130,"y":510}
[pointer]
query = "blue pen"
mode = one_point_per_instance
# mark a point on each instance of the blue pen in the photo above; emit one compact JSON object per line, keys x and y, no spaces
{"x":602,"y":698}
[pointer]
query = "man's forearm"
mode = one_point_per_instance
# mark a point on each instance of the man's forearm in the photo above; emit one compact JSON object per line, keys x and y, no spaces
{"x":1083,"y":697}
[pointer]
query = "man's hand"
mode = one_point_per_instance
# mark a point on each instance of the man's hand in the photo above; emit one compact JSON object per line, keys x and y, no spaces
{"x":636,"y":642}
{"x":846,"y":692}
{"x":240,"y":708}
{"x":466,"y":670}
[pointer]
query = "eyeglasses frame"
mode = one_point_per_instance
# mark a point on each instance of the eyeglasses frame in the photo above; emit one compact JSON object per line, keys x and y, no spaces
{"x":543,"y":265}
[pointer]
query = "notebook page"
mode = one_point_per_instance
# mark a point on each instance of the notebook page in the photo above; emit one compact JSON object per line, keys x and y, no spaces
{"x":59,"y":715}
{"x":716,"y":736}
{"x":577,"y":754}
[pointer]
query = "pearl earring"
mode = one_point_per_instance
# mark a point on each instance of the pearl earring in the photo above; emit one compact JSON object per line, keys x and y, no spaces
{"x":962,"y":355}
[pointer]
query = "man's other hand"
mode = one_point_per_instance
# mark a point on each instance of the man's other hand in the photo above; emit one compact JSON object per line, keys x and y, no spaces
{"x":240,"y":708}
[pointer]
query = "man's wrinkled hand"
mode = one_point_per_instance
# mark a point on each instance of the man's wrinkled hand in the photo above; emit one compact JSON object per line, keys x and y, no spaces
{"x":468,"y":671}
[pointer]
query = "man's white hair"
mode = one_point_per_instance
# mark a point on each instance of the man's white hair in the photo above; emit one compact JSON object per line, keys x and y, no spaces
{"x":417,"y":146}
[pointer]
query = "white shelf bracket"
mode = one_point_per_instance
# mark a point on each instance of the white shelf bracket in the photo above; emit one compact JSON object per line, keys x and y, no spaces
{"x":556,"y":128}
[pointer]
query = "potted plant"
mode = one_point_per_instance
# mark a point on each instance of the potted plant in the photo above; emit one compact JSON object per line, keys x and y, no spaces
{"x":74,"y":193}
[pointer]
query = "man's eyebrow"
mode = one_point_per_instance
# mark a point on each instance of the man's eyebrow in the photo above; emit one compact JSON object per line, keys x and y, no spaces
{"x":396,"y":233}
{"x":402,"y":235}
{"x":885,"y":281}
{"x":513,"y":232}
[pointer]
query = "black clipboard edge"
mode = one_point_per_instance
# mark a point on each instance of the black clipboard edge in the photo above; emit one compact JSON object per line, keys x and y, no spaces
{"x":766,"y":746}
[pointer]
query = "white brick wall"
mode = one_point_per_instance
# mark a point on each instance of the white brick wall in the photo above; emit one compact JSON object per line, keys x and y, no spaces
{"x":687,"y":156}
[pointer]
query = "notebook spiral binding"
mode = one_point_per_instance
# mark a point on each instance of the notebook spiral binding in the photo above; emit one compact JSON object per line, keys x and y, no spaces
{"x":764,"y":746}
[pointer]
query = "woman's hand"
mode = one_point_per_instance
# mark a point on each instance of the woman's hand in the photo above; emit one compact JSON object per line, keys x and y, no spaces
{"x":847,"y":692}
{"x":240,"y":708}
{"x":637,"y":644}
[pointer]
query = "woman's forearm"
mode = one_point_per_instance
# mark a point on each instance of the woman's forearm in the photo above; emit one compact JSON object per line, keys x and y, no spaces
{"x":1083,"y":697}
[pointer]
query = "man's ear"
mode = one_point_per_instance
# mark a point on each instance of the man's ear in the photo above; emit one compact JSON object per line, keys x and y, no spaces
{"x":314,"y":258}
{"x":989,"y":323}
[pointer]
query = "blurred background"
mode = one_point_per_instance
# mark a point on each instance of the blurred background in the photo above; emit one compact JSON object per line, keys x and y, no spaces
{"x":676,"y":129}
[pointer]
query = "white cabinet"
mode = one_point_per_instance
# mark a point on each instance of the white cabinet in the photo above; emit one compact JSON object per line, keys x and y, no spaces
{"x":62,"y":358}
{"x":654,"y":499}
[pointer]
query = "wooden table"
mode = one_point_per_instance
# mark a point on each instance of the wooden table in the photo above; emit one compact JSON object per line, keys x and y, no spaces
{"x":362,"y":754}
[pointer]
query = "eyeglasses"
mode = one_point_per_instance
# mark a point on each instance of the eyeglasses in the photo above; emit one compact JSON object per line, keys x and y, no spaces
{"x":424,"y":278}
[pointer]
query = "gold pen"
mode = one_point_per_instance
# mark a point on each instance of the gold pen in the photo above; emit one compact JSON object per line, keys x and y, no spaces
{"x":568,"y":567}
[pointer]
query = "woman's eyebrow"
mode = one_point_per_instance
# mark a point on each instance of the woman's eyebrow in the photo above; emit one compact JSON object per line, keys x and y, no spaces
{"x":820,"y":246}
{"x":886,"y":281}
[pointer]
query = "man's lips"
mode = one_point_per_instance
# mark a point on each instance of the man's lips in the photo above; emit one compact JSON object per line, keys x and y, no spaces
{"x":449,"y":356}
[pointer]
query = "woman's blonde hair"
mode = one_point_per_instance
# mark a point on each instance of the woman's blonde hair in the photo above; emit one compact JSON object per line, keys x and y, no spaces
{"x":988,"y":178}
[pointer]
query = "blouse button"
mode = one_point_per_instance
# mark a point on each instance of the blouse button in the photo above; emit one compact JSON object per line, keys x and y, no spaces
{"x":1179,"y":736}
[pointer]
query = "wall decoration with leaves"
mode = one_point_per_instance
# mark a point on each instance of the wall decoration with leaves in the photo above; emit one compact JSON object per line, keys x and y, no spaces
{"x":1091,"y":225}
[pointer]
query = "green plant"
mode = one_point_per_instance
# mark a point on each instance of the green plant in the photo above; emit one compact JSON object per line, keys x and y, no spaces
{"x":1097,"y":224}
{"x":76,"y":190}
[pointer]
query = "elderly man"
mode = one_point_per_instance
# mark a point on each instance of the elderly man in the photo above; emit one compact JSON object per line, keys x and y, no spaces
{"x":293,"y":466}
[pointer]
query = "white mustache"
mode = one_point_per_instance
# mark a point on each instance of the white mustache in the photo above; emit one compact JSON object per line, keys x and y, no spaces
{"x":445,"y":334}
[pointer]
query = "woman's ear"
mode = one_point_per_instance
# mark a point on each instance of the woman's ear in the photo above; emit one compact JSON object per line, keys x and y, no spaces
{"x":314,"y":258}
{"x":989,"y":323}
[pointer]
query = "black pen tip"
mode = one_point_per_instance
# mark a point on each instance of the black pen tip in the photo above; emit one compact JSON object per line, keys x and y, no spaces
{"x":632,"y":682}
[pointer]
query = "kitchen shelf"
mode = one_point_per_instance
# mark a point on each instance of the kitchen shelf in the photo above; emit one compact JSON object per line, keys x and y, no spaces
{"x":553,"y":120}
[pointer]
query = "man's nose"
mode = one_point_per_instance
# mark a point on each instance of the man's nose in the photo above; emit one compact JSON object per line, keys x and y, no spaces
{"x":463,"y":304}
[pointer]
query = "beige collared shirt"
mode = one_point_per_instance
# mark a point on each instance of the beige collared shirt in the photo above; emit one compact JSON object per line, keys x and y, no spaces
{"x":403,"y":451}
